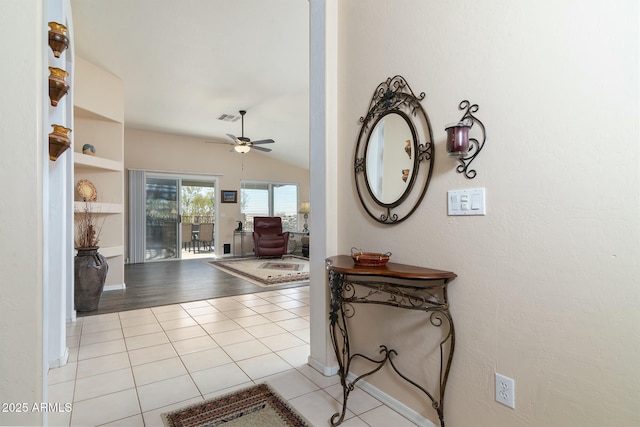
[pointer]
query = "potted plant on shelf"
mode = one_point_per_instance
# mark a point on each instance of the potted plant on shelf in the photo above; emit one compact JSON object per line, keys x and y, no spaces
{"x":90,"y":266}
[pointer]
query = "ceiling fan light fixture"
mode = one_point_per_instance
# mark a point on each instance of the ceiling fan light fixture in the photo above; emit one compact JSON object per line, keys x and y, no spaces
{"x":242,"y":148}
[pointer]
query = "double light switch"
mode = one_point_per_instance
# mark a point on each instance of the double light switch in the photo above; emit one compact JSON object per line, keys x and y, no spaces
{"x":466,"y":202}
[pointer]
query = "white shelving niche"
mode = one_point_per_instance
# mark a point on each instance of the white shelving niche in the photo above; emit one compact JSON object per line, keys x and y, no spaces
{"x":99,"y":121}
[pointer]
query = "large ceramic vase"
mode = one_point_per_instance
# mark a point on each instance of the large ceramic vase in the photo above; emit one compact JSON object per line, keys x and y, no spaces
{"x":90,"y":274}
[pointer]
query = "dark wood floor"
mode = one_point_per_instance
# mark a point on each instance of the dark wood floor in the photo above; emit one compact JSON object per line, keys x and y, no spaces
{"x":172,"y":282}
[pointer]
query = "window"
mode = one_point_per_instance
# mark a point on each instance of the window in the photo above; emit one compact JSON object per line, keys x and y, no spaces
{"x":269,"y":199}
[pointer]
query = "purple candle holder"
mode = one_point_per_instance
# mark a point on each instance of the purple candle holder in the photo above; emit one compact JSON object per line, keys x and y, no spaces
{"x":458,"y":139}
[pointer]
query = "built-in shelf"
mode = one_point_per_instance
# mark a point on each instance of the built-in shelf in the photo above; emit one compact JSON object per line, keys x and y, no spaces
{"x":99,"y":121}
{"x":98,"y":207}
{"x":95,"y":162}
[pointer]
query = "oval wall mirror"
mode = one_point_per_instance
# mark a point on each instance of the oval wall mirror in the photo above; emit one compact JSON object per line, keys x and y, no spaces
{"x":394,"y":153}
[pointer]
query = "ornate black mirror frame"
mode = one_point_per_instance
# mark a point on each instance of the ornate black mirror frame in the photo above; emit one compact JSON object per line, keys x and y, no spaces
{"x":395,"y":96}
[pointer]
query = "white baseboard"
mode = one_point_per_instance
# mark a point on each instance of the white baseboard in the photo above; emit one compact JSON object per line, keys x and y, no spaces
{"x":116,"y":287}
{"x":393,"y":403}
{"x":327,"y":371}
{"x":61,"y":361}
{"x":383,"y":397}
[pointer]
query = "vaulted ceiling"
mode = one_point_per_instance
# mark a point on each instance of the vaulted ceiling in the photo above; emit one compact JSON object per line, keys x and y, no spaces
{"x":185,"y":63}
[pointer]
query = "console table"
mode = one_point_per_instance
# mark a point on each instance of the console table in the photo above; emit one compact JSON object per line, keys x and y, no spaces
{"x":397,"y":285}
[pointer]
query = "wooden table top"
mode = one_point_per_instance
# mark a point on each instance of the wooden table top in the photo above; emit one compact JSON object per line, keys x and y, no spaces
{"x":344,"y":264}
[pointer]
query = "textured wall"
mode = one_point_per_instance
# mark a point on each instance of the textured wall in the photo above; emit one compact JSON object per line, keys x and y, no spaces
{"x":548,"y":289}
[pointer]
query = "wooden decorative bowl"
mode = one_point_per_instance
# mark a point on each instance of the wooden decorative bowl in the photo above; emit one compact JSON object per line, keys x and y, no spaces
{"x":369,"y":259}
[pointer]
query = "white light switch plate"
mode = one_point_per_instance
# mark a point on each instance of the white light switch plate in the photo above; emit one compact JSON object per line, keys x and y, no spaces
{"x":466,"y":202}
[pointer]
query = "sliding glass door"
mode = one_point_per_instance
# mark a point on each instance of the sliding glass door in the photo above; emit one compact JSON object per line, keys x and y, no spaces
{"x":162,"y":218}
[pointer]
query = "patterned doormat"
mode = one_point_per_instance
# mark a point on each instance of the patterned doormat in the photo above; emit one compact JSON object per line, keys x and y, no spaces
{"x":258,"y":406}
{"x":267,"y":272}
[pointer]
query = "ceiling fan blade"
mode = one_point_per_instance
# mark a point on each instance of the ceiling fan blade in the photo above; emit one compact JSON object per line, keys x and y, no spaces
{"x":219,"y":142}
{"x":263,"y":141}
{"x":265,"y":149}
{"x":233,"y":137}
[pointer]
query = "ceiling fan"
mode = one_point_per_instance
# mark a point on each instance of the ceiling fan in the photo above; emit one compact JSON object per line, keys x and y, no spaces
{"x":243,"y":144}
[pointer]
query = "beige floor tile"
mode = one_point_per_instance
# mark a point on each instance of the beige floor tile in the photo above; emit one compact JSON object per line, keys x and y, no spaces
{"x":258,"y":319}
{"x":139,"y":320}
{"x":170,"y":315}
{"x":62,"y":374}
{"x":318,"y":407}
{"x":278,"y":299}
{"x":221,"y":326}
{"x":100,"y":318}
{"x":186,"y":333}
{"x":282,"y":341}
{"x":193,"y":345}
{"x":102,"y":364}
{"x":294,"y":324}
{"x":132,"y":331}
{"x":291,"y":304}
{"x":281,"y":314}
{"x":195,"y":304}
{"x":245,"y":297}
{"x":101,"y":384}
{"x":291,"y":383}
{"x":303,"y":334}
{"x":383,"y":416}
{"x":61,"y":392}
{"x":158,"y":371}
{"x":182,"y":322}
{"x":227,"y":305}
{"x":232,"y":337}
{"x":261,"y":331}
{"x":359,"y":400}
{"x":296,"y":356}
{"x":103,"y":336}
{"x":134,"y":421}
{"x":167,"y":392}
{"x":210,"y":318}
{"x":147,"y":340}
{"x":101,"y":326}
{"x":246,"y":350}
{"x":255,"y":302}
{"x":151,"y":354}
{"x":263,"y":366}
{"x":105,"y":409}
{"x":166,"y":308}
{"x":205,"y":359}
{"x":200,"y":311}
{"x":220,"y":377}
{"x":101,"y":349}
{"x":142,"y":312}
{"x":301,"y":311}
{"x":267,"y":308}
{"x":317,"y":378}
{"x":241,"y":312}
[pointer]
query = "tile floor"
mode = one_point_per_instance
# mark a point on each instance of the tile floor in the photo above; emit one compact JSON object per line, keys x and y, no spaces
{"x":126,"y":368}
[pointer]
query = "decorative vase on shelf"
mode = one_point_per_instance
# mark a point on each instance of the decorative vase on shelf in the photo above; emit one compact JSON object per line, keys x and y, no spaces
{"x":90,"y":274}
{"x":89,"y":149}
{"x":58,"y":87}
{"x":59,"y":141}
{"x":58,"y":40}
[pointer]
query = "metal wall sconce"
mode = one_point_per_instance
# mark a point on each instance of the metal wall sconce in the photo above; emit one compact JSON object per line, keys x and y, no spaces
{"x":459,"y":145}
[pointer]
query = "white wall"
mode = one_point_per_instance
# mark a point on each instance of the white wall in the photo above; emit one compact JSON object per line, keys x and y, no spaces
{"x":22,"y":379}
{"x":172,"y":153}
{"x":547,"y":290}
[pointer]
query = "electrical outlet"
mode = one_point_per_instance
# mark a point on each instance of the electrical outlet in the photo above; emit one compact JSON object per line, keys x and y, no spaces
{"x":505,"y":390}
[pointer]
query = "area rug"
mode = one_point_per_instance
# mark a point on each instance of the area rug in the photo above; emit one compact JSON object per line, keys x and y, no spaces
{"x":255,"y":406}
{"x":267,"y":271}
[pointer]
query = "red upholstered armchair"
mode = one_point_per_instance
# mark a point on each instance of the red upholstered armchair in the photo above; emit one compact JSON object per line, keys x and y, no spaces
{"x":268,"y":238}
